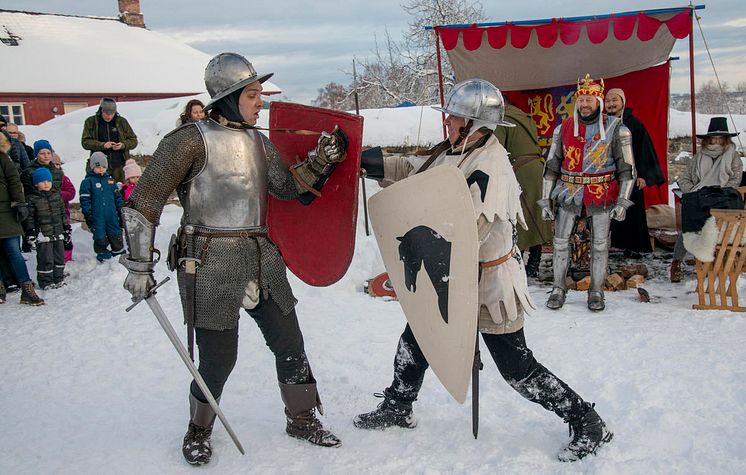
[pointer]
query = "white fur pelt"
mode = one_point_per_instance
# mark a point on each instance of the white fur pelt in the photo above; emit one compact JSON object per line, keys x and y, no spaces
{"x":702,"y":244}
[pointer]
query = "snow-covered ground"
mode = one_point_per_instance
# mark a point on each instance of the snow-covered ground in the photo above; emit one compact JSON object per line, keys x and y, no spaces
{"x":89,"y":389}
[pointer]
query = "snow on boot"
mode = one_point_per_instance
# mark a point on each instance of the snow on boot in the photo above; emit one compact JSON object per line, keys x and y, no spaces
{"x":196,"y":448}
{"x":588,"y":433}
{"x":307,"y":426}
{"x":28,"y":295}
{"x":556,"y":298}
{"x":301,"y":402}
{"x":390,"y":412}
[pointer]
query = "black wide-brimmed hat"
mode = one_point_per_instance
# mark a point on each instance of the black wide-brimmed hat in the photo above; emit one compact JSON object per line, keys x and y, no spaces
{"x":718,"y":127}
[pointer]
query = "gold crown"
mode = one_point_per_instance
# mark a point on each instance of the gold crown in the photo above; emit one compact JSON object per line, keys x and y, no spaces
{"x":588,"y":86}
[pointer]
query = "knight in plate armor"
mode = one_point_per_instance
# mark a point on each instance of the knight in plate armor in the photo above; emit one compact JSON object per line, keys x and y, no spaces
{"x":589,"y":172}
{"x":222,"y":169}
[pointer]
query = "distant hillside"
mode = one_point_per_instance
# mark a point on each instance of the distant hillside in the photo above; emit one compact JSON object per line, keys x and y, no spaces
{"x":711,"y":102}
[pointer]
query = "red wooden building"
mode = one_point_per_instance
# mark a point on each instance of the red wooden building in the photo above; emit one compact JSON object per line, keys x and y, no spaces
{"x":53,"y":64}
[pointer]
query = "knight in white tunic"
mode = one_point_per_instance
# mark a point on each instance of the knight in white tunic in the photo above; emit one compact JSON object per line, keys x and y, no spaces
{"x":475,"y":107}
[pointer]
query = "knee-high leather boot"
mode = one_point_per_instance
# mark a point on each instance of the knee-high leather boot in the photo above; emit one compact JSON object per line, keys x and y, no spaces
{"x":196,"y":448}
{"x":301,"y":402}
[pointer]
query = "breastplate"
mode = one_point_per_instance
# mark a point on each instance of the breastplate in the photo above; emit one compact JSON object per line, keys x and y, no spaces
{"x":231,"y":190}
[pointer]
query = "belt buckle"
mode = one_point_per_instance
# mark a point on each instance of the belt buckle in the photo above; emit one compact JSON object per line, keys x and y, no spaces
{"x":243,"y":234}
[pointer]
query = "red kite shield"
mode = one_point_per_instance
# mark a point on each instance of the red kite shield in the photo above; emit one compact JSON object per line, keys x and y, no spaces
{"x":317,"y":241}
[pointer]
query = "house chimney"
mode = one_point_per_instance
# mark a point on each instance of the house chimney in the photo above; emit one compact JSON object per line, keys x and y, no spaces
{"x":129,"y":13}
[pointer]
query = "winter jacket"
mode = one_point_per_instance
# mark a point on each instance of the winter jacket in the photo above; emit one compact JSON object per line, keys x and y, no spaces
{"x":67,"y":192}
{"x":731,"y":170}
{"x":18,"y":154}
{"x":126,"y":190}
{"x":28,"y":185}
{"x":11,"y":192}
{"x":46,"y":215}
{"x":90,"y":140}
{"x":101,"y":202}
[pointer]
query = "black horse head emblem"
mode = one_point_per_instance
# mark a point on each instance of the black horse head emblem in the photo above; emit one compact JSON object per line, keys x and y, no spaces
{"x":422,"y":244}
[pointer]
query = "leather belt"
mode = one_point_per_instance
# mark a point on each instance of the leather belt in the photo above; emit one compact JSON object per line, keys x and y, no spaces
{"x":498,"y":261}
{"x":588,"y":179}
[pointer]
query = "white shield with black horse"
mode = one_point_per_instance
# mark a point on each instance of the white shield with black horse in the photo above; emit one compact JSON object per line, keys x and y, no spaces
{"x":427,"y":234}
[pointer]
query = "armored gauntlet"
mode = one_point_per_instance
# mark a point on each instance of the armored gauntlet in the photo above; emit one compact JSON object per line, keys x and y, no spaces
{"x":140,"y":235}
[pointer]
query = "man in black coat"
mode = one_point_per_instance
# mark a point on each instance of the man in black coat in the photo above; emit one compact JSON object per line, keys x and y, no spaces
{"x":632,"y":233}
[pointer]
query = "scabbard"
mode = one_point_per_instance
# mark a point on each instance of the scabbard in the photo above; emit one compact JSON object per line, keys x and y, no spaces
{"x":476,"y":367}
{"x":190,"y":284}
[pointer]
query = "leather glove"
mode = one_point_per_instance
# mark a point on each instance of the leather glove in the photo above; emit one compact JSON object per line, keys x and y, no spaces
{"x":22,"y":212}
{"x":140,"y":279}
{"x":546,"y":209}
{"x":68,"y":237}
{"x":331,"y":147}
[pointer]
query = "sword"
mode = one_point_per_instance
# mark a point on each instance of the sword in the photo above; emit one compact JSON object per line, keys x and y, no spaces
{"x":155,"y":307}
{"x":475,"y":389}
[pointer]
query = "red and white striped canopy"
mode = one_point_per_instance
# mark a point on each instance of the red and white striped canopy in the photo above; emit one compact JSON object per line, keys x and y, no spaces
{"x":559,"y":51}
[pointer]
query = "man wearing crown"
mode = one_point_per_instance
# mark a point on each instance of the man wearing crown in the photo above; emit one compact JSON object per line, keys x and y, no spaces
{"x":589,"y":172}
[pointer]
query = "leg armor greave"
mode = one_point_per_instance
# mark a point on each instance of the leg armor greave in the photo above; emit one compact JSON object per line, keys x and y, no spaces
{"x":599,"y":250}
{"x":561,"y":260}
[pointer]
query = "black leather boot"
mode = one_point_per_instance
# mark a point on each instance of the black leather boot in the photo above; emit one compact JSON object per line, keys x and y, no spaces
{"x":390,"y":412}
{"x":196,"y":448}
{"x":588,"y":434}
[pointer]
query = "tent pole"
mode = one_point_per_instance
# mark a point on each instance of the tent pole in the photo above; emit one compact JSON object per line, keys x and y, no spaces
{"x":691,"y":82}
{"x":440,"y":81}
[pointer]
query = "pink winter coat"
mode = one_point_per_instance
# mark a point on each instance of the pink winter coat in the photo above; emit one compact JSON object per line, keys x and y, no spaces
{"x":68,"y":193}
{"x":127,"y":190}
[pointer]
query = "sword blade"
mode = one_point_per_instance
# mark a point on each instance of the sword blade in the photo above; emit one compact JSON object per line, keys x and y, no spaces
{"x":155,"y":307}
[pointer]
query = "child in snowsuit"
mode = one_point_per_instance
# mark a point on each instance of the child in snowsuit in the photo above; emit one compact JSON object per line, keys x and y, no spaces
{"x":45,"y":226}
{"x":132,"y":173}
{"x":101,"y":203}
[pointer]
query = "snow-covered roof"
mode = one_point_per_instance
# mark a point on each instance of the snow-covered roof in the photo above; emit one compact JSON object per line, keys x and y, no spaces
{"x":79,"y":54}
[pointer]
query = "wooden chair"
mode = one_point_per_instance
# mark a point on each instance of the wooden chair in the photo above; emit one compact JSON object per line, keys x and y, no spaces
{"x":716,"y":280}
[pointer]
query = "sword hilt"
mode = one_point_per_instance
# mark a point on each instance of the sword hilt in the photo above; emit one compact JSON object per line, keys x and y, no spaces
{"x":150,"y":292}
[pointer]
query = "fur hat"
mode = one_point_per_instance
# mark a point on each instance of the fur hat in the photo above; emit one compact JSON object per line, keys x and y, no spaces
{"x":98,"y":159}
{"x":131,"y":168}
{"x":108,"y":105}
{"x":40,"y":145}
{"x":41,"y":174}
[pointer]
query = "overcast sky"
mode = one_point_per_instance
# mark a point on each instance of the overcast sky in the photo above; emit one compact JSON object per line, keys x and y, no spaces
{"x":308,"y":44}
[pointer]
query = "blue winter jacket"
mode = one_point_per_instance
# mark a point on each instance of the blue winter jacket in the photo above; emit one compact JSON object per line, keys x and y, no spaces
{"x":101,"y":203}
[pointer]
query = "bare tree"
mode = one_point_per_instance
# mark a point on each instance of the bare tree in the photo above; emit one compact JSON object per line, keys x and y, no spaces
{"x":335,"y":96}
{"x":406,"y":70}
